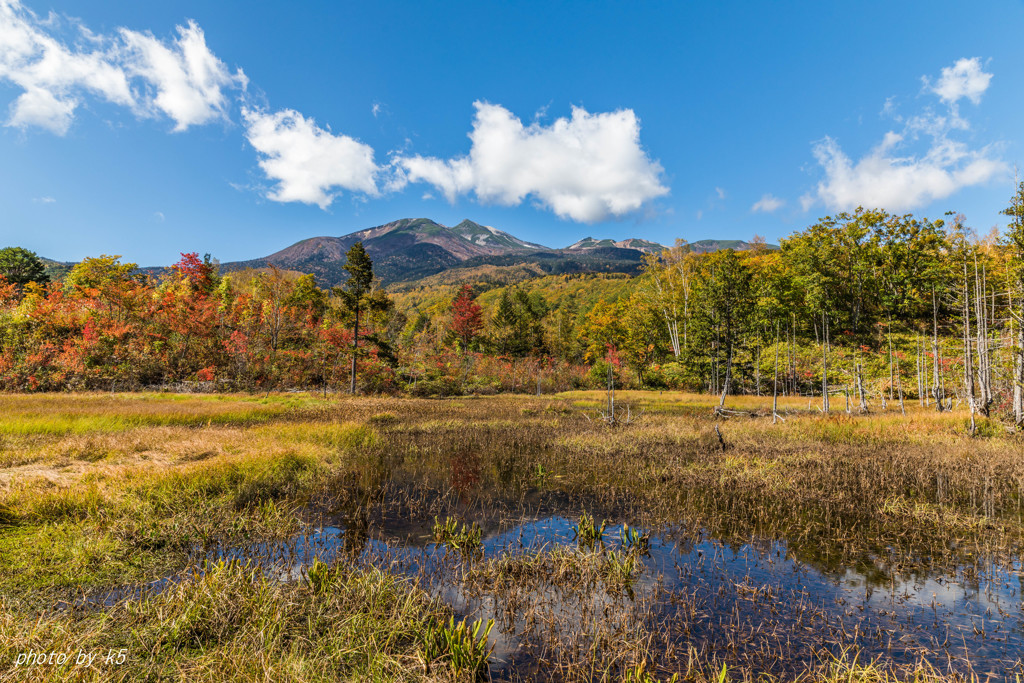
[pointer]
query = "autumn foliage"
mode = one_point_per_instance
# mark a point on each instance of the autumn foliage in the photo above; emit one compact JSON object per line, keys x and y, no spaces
{"x":109,"y":326}
{"x":467,"y":317}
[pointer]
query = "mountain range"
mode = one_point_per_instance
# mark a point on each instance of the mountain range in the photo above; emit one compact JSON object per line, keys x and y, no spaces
{"x":413,"y":248}
{"x":410,"y":249}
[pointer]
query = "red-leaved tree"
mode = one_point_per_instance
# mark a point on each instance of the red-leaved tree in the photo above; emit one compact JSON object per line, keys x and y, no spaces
{"x":467,"y":317}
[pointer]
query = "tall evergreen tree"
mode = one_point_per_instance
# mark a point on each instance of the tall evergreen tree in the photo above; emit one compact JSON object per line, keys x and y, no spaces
{"x":357,"y":296}
{"x":505,"y":323}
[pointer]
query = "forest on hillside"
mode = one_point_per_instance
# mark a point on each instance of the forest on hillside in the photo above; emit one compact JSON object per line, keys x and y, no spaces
{"x":872,"y":306}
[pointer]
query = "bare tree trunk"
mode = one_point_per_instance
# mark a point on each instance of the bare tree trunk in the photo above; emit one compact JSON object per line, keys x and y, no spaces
{"x":922,"y":394}
{"x":860,"y":387}
{"x":1017,"y":346}
{"x":790,"y":342}
{"x":824,"y":364}
{"x":937,"y":380}
{"x":611,"y":393}
{"x":728,"y":376}
{"x":1018,"y":376}
{"x":981,"y":325}
{"x":892,"y":379}
{"x":718,"y":349}
{"x":666,"y":297}
{"x":968,"y":360}
{"x":355,"y":350}
{"x":898,"y":372}
{"x":757,"y":370}
{"x":775,"y":382}
{"x":899,"y":390}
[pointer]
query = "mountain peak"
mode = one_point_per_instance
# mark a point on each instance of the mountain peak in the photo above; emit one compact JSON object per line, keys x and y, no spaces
{"x":492,"y":240}
{"x":630,"y":243}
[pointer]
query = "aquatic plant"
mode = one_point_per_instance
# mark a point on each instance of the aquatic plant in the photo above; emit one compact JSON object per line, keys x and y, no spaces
{"x":587,"y":534}
{"x":466,"y":538}
{"x":635,"y":541}
{"x":619,"y":569}
{"x":463,"y":646}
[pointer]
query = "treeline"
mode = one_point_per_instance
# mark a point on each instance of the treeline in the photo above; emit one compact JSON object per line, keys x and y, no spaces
{"x":870,"y":306}
{"x":867,"y":306}
{"x":106,"y":325}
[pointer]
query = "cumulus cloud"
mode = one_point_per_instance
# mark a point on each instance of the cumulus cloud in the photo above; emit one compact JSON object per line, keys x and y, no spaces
{"x":899,"y":173}
{"x":586,"y":168}
{"x":39,"y":107}
{"x":182,"y":79}
{"x":52,"y":75}
{"x":963,"y":79}
{"x":768,"y":203}
{"x":185,"y":80}
{"x":883,"y":179}
{"x":307,"y":162}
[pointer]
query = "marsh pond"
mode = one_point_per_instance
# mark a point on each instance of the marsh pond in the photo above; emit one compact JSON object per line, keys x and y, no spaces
{"x":510,"y":538}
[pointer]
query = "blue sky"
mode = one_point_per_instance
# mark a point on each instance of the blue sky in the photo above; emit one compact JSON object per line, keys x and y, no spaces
{"x":147,"y":129}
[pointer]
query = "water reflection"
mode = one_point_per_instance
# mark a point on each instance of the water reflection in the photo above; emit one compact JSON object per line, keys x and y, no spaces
{"x":755,"y":602}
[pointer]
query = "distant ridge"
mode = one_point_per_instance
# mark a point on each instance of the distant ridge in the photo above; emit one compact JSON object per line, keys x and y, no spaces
{"x":413,"y":248}
{"x":704,"y":246}
{"x":632,"y":243}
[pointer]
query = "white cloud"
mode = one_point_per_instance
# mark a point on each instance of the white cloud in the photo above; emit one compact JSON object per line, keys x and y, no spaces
{"x":39,"y":107}
{"x":900,"y":173}
{"x":963,"y":79}
{"x":51,"y":74}
{"x":898,"y":183}
{"x":182,"y":79}
{"x":720,"y":192}
{"x":188,"y":79}
{"x":307,"y":162}
{"x":44,"y":200}
{"x":587,"y":167}
{"x":768,"y":203}
{"x":889,"y":108}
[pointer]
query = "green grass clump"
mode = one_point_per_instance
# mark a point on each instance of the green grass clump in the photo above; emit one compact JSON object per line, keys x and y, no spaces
{"x":347,"y":437}
{"x":383,"y":419}
{"x":635,"y":541}
{"x":463,"y":647}
{"x":136,"y":525}
{"x":232,"y":623}
{"x":619,"y":570}
{"x":587,"y":533}
{"x":69,"y":555}
{"x":466,"y":538}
